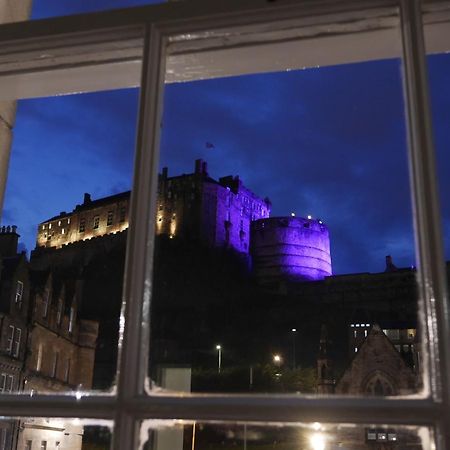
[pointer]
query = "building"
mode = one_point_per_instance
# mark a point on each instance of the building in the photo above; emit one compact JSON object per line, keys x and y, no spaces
{"x":14,"y":306}
{"x":195,"y":205}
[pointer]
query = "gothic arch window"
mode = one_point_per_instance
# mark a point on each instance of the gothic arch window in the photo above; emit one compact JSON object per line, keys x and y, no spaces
{"x":379,"y":384}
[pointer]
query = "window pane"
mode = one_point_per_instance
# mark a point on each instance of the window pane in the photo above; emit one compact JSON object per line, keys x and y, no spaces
{"x":284,"y":254}
{"x":316,"y":436}
{"x":68,"y":193}
{"x":49,"y":8}
{"x":57,"y":434}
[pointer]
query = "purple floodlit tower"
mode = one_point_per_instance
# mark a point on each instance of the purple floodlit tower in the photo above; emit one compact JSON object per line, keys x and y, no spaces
{"x":290,"y":249}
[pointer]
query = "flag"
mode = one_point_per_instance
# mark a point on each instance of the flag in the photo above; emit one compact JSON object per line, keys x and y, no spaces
{"x":209,"y":145}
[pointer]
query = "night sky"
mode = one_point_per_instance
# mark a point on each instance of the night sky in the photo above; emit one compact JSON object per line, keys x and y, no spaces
{"x":330,"y":142}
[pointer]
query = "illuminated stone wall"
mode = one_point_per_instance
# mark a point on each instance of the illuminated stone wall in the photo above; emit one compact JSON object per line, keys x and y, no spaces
{"x":290,"y":248}
{"x":192,"y":206}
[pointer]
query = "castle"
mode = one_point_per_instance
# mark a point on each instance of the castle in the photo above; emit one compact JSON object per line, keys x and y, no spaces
{"x":220,"y":214}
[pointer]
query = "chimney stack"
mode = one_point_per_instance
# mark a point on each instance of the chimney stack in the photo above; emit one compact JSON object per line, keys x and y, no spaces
{"x":87,"y":198}
{"x":8,"y":240}
{"x":390,"y":266}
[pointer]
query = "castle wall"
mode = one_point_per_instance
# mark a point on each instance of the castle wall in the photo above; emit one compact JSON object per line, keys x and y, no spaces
{"x":290,"y":248}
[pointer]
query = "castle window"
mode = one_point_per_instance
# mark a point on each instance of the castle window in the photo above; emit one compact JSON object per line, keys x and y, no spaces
{"x":49,"y":226}
{"x":59,"y":223}
{"x":68,"y":221}
{"x":28,"y":445}
{"x":43,"y":445}
{"x":19,"y":293}
{"x":82,"y":225}
{"x":63,"y":231}
{"x":9,"y":383}
{"x":122,"y":214}
{"x":96,"y":222}
{"x":109,"y":219}
{"x":356,"y":349}
{"x":355,"y":334}
{"x":365,"y":333}
{"x":43,"y":227}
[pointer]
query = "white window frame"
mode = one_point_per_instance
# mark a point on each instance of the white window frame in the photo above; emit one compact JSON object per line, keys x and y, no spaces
{"x":16,"y":344}
{"x":130,"y":403}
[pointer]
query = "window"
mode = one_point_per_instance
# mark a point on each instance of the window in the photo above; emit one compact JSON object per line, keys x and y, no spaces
{"x":10,"y":383}
{"x":45,"y":303}
{"x":63,"y":231}
{"x":39,"y":358}
{"x":19,"y":293}
{"x":54,"y":365}
{"x":71,"y":319}
{"x":82,"y":227}
{"x":109,"y":219}
{"x":67,"y":370}
{"x":49,"y":226}
{"x":122,"y":214}
{"x":421,"y":158}
{"x":10,"y":339}
{"x":59,"y":312}
{"x":3,"y":378}
{"x":17,"y":337}
{"x":96,"y":222}
{"x":28,"y":445}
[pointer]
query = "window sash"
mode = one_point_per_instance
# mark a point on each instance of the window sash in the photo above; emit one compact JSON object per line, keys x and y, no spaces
{"x":130,"y":403}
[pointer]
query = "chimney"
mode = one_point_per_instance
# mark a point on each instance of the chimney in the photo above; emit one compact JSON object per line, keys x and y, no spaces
{"x":87,"y":198}
{"x":165,"y":173}
{"x":8,"y":241}
{"x":390,"y":266}
{"x":198,"y":166}
{"x":205,"y":168}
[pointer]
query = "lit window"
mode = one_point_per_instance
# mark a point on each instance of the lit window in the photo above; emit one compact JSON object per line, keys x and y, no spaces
{"x":365,"y":333}
{"x":82,"y":225}
{"x":68,"y":221}
{"x":19,"y":293}
{"x":109,"y":219}
{"x":43,"y":227}
{"x":49,"y":226}
{"x":63,"y":231}
{"x":122,"y":214}
{"x":356,"y":349}
{"x":59,"y":223}
{"x":96,"y":222}
{"x":355,"y":333}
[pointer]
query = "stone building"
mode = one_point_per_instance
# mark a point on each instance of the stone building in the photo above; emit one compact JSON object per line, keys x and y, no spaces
{"x":61,"y":352}
{"x":14,"y":298}
{"x":195,"y":205}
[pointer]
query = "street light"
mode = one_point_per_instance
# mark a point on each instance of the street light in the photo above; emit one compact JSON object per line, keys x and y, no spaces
{"x":219,"y":357}
{"x":277,"y":359}
{"x":294,"y":335}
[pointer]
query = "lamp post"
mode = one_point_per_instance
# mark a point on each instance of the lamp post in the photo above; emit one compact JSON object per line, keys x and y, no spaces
{"x":294,"y":335}
{"x":219,"y":357}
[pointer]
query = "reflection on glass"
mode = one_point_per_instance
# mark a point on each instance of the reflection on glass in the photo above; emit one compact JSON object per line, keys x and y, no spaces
{"x":316,"y":436}
{"x":61,"y":301}
{"x":35,"y":433}
{"x":295,"y":273}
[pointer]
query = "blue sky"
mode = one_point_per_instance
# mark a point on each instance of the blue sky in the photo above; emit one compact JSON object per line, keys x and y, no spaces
{"x":330,"y":142}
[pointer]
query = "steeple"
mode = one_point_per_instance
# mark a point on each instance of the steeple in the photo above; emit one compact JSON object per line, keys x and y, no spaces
{"x":325,"y":379}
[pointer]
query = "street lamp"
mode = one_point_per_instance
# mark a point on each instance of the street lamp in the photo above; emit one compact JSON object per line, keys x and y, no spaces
{"x":294,"y":335}
{"x":219,"y":357}
{"x":277,"y":359}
